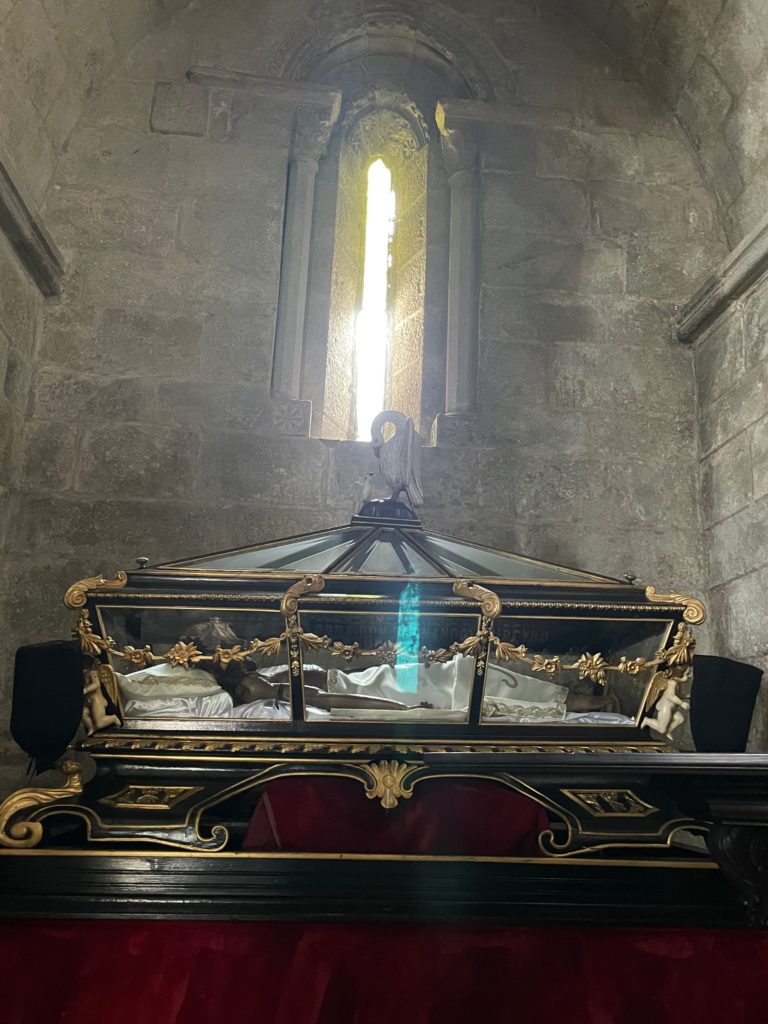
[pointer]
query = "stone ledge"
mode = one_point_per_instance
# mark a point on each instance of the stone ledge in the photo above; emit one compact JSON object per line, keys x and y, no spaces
{"x":28,"y":236}
{"x":739,"y":270}
{"x":298,"y":93}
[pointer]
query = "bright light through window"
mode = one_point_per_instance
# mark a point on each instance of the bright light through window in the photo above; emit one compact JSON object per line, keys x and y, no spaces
{"x":372,"y":327}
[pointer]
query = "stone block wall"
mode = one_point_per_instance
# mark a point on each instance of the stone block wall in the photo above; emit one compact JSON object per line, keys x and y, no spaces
{"x":709,"y":61}
{"x":149,"y":426}
{"x":732,"y":389}
{"x":56,"y":54}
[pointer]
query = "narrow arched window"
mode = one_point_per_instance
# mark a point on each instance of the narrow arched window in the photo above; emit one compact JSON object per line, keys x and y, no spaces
{"x":375,"y":339}
{"x":373,"y":334}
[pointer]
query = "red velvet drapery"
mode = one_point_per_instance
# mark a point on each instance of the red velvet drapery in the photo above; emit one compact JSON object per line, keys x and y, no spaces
{"x":198,"y":972}
{"x":452,"y":816}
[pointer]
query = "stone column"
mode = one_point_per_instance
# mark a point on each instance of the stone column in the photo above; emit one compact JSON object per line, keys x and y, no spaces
{"x":312,"y":129}
{"x":460,"y":141}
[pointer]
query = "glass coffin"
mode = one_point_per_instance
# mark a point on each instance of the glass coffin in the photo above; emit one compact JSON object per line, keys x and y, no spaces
{"x":381,"y":629}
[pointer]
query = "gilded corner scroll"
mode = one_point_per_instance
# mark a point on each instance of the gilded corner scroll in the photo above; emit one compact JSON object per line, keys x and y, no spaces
{"x":24,"y":833}
{"x":695,"y":613}
{"x":75,"y":597}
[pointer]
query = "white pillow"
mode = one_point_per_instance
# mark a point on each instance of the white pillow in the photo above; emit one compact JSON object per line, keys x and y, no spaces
{"x":167,"y":681}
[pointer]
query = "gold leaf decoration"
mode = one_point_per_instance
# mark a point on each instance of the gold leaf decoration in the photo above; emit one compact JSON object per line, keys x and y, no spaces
{"x":542,"y":663}
{"x":508,"y":652}
{"x":182,"y":655}
{"x":681,"y":651}
{"x":473,"y":644}
{"x":313,"y":642}
{"x":139,"y":656}
{"x":695,"y":613}
{"x":268,"y":647}
{"x":90,"y":642}
{"x":631,"y":666}
{"x":593,"y":667}
{"x":76,"y":595}
{"x":388,"y":652}
{"x":24,"y":834}
{"x":387,"y":778}
{"x":311,"y":584}
{"x":224,"y":656}
{"x":490,"y":603}
{"x":345,"y":651}
{"x":438,"y":657}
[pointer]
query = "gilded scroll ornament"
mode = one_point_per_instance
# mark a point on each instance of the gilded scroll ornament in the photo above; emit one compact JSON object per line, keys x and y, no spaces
{"x":388,"y":783}
{"x":490,"y":603}
{"x":24,"y":834}
{"x":75,"y":597}
{"x":695,"y":612}
{"x":311,"y":584}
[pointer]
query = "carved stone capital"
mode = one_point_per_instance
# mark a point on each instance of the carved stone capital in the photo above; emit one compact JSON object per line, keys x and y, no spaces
{"x":460,"y":149}
{"x":312,"y":127}
{"x":460,"y":136}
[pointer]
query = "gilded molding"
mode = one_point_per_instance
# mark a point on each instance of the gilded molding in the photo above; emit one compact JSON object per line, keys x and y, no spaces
{"x":695,"y":613}
{"x":24,"y":833}
{"x":193,"y":746}
{"x":75,"y":597}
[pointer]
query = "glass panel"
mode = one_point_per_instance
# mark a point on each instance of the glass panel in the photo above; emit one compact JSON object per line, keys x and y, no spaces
{"x":198,"y":663}
{"x":566,"y":671}
{"x":315,"y":553}
{"x":468,"y":560}
{"x":388,"y":554}
{"x":374,"y":667}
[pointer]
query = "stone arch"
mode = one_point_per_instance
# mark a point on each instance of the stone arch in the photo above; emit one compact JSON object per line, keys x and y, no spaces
{"x":390,"y":70}
{"x":440,"y":40}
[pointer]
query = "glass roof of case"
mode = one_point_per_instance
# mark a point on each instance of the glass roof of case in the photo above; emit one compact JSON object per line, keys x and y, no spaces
{"x":377,"y":546}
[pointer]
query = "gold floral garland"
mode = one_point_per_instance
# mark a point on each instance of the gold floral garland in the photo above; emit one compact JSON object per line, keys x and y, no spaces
{"x":589,"y":666}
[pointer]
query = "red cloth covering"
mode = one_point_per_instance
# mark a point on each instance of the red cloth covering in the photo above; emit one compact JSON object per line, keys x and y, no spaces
{"x":215,"y":972}
{"x":446,"y":816}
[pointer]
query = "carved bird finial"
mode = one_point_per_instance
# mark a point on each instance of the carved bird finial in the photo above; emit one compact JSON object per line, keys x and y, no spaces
{"x":399,"y":456}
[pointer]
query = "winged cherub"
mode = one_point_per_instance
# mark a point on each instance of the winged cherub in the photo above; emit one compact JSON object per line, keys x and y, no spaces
{"x":399,"y":456}
{"x":668,"y":706}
